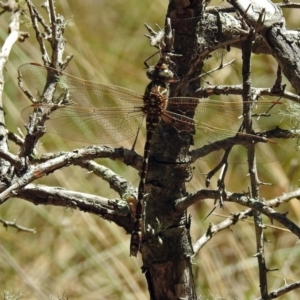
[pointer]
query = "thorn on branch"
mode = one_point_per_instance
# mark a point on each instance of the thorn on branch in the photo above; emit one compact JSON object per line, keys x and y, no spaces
{"x":23,"y":35}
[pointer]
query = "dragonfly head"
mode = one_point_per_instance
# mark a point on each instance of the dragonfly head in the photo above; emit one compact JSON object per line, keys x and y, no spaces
{"x":161,"y":72}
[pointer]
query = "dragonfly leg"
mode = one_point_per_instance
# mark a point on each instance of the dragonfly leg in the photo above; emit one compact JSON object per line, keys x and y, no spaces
{"x":138,"y":229}
{"x":221,"y":184}
{"x":221,"y":187}
{"x":135,"y":140}
{"x":218,"y":167}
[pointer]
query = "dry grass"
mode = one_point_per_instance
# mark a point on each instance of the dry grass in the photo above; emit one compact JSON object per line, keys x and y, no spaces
{"x":77,"y":256}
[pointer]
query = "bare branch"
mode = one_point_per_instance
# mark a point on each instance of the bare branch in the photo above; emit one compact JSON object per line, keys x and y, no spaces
{"x":242,"y":199}
{"x":114,"y":210}
{"x":284,"y":198}
{"x":214,"y":229}
{"x":283,"y":290}
{"x":14,"y":160}
{"x":209,"y":90}
{"x":14,"y":224}
{"x":18,"y":140}
{"x":12,"y":38}
{"x":266,"y":210}
{"x":42,"y":169}
{"x":116,"y":182}
{"x":234,"y":218}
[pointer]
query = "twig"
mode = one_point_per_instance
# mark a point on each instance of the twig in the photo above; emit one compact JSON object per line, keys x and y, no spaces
{"x":12,"y":38}
{"x":242,"y":199}
{"x":7,"y":224}
{"x":128,"y":157}
{"x":209,"y":90}
{"x":283,"y":290}
{"x":234,"y":218}
{"x":254,"y":181}
{"x":288,"y":4}
{"x":214,"y":229}
{"x":201,"y":57}
{"x":39,"y":170}
{"x":220,"y":67}
{"x":14,"y":160}
{"x":53,"y":33}
{"x":116,"y":182}
{"x":37,"y":18}
{"x":18,"y":140}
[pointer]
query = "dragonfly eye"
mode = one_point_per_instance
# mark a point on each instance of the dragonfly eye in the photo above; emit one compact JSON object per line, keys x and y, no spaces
{"x":166,"y":75}
{"x":159,"y":73}
{"x":151,"y":73}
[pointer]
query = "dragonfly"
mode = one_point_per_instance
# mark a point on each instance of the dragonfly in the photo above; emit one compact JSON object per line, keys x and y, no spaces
{"x":100,"y":113}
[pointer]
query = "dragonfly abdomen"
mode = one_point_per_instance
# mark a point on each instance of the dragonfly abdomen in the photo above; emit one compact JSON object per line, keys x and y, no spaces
{"x":155,"y":100}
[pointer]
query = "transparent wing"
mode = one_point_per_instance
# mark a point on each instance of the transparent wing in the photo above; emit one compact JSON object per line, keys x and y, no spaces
{"x":94,"y":113}
{"x":101,"y":113}
{"x":211,"y":122}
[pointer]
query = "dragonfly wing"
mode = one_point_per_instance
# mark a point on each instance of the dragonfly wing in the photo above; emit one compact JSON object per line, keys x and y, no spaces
{"x":208,"y":120}
{"x":91,"y":126}
{"x":267,"y":115}
{"x":82,"y":92}
{"x":96,"y":112}
{"x":215,"y":124}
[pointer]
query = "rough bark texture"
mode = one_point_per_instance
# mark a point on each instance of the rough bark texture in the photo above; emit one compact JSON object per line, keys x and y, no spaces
{"x":167,"y":253}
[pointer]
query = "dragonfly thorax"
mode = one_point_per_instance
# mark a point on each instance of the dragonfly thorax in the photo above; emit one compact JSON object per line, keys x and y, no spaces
{"x":155,"y":98}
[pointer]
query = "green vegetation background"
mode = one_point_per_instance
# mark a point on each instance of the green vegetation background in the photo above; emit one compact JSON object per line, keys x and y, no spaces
{"x":82,"y":256}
